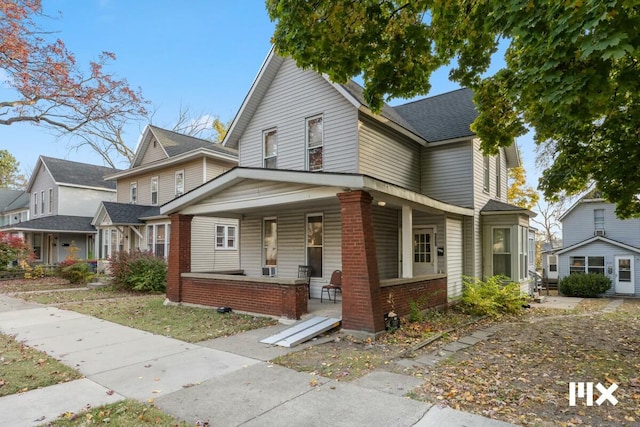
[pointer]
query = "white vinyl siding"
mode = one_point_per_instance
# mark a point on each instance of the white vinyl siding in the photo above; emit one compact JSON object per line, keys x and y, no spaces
{"x":204,"y":258}
{"x":154,"y":153}
{"x":294,"y":95}
{"x":314,"y":142}
{"x":446,"y":173}
{"x":388,"y":157}
{"x":454,"y":256}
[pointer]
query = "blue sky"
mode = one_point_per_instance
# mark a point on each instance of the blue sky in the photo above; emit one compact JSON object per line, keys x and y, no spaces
{"x":201,"y":54}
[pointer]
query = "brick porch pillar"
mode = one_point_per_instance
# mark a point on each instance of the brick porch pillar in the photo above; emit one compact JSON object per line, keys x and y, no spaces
{"x":179,"y":254}
{"x":361,"y":308}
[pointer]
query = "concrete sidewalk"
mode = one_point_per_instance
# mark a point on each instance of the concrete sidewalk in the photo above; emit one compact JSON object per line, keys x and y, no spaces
{"x":225,"y":382}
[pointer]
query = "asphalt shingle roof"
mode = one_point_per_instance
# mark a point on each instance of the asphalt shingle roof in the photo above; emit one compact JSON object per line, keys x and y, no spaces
{"x":76,"y":173}
{"x":13,"y":199}
{"x":498,"y":206}
{"x":126,"y":213}
{"x":57,"y":223}
{"x":176,"y":143}
{"x":441,"y":117}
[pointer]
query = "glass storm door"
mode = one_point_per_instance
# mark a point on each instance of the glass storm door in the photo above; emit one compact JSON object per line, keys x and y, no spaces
{"x":624,"y":275}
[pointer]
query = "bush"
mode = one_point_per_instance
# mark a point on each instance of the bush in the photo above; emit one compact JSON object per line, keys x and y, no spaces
{"x":493,"y":297}
{"x":12,"y":249}
{"x":139,"y":271}
{"x":584,"y":285}
{"x":75,"y":272}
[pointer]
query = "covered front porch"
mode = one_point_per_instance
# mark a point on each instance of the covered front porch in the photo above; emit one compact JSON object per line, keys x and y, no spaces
{"x":393,"y":246}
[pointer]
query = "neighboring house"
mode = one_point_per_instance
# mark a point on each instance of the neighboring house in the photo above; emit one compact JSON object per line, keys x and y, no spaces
{"x":14,"y":206}
{"x":550,"y":262}
{"x":64,"y":195}
{"x":167,"y":164}
{"x":595,"y":240}
{"x":403,"y":202}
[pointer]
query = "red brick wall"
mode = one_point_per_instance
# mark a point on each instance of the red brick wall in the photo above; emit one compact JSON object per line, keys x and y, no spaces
{"x":428,"y":293}
{"x":179,"y":260}
{"x":285,"y":300}
{"x":361,"y":310}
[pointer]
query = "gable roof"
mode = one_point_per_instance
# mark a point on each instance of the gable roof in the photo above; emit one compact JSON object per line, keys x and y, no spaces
{"x":56,"y":223}
{"x":74,"y":174}
{"x":496,"y":207}
{"x":126,"y":213}
{"x":591,"y":197}
{"x":602,"y":239}
{"x":13,"y":199}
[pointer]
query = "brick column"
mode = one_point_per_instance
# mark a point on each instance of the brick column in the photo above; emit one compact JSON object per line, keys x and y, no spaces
{"x":179,"y":254}
{"x":361,"y":308}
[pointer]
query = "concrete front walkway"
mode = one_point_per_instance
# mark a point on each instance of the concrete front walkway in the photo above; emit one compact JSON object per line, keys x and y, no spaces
{"x":229,"y":385}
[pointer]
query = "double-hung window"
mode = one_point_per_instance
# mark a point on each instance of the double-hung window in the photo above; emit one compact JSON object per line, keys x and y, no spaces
{"x":133,"y":193}
{"x":42,"y":202}
{"x":577,"y":264}
{"x":270,"y":143}
{"x":486,"y":177}
{"x":154,"y":190}
{"x":498,"y":177}
{"x":179,"y":183}
{"x":35,"y":204}
{"x":226,"y":237}
{"x":51,"y":200}
{"x":315,"y":243}
{"x":598,"y":220}
{"x":270,"y":242}
{"x":315,"y":142}
{"x":501,"y":244}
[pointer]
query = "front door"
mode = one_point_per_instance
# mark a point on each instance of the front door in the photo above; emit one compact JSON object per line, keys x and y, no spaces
{"x":624,"y":275}
{"x":424,"y":257}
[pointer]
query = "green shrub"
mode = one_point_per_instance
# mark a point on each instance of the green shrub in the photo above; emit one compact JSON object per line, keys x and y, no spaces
{"x":76,"y":272}
{"x":493,"y":297}
{"x":139,"y":271}
{"x":584,"y":285}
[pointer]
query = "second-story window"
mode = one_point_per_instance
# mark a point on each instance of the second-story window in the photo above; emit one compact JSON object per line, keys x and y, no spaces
{"x":485,"y":181}
{"x":315,"y":139}
{"x":154,"y":190}
{"x":498,"y":177}
{"x":51,"y":200}
{"x":179,"y":183}
{"x":133,"y":192}
{"x":270,"y":142}
{"x":598,"y":221}
{"x":42,"y":202}
{"x":35,"y":204}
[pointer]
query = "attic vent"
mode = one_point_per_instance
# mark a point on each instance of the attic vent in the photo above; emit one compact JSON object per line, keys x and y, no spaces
{"x":155,"y":143}
{"x":599,"y":233}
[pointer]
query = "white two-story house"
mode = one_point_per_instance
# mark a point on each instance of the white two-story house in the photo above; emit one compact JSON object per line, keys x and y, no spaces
{"x":595,"y":240}
{"x":167,"y":165}
{"x":64,"y":195}
{"x":402,"y":202}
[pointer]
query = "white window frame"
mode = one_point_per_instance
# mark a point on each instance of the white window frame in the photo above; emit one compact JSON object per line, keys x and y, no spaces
{"x":179,"y":187}
{"x":35,"y":204}
{"x":314,"y":273}
{"x":523,"y":255}
{"x":509,"y":252}
{"x":498,"y":177}
{"x":598,"y":221}
{"x":486,"y":182}
{"x":152,"y":238}
{"x":273,"y":245}
{"x":33,"y":245}
{"x":274,"y":156}
{"x":42,"y":202}
{"x":154,"y":182}
{"x":133,"y":192}
{"x":587,"y":266}
{"x":51,"y":200}
{"x":307,"y":142}
{"x":229,"y":234}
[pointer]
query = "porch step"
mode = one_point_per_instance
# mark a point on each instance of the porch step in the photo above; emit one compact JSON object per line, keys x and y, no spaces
{"x":303,"y":331}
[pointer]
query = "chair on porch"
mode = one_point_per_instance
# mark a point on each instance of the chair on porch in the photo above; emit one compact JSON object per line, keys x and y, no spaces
{"x":304,"y":272}
{"x":335,"y":283}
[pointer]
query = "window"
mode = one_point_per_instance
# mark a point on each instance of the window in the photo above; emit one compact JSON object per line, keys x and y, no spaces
{"x":523,"y":253}
{"x":133,"y":192}
{"x":270,"y":241}
{"x":502,"y":251}
{"x":486,"y":174}
{"x":270,"y":142}
{"x":35,"y":204}
{"x":51,"y":200}
{"x":225,"y":237}
{"x":314,"y":143}
{"x":532,"y":249}
{"x":498,"y":177}
{"x":42,"y":202}
{"x":154,"y":190}
{"x":598,"y":219}
{"x":595,"y":264}
{"x":315,"y":242}
{"x":553,"y":263}
{"x":179,"y":183}
{"x":158,"y":239}
{"x":37,"y":246}
{"x":577,"y":264}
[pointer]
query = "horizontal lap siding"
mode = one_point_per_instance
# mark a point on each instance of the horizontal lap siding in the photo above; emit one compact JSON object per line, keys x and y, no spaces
{"x":447,"y":173}
{"x":295,"y":95}
{"x":153,"y":154}
{"x":215,"y":168}
{"x":579,"y":225}
{"x":454,"y":257}
{"x":254,"y":189}
{"x":386,"y":230}
{"x":388,"y":157}
{"x":204,"y":256}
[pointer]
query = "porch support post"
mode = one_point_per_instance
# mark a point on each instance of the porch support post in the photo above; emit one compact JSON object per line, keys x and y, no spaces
{"x":407,"y":237}
{"x":361,"y":305}
{"x":179,"y":254}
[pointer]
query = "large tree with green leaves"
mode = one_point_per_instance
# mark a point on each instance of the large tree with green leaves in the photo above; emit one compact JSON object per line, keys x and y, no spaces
{"x":570,"y":72}
{"x":10,"y":176}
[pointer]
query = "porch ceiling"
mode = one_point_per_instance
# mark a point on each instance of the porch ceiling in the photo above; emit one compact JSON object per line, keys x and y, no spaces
{"x":242,"y":189}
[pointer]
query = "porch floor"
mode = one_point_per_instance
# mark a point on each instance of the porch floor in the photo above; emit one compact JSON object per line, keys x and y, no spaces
{"x":325,"y":309}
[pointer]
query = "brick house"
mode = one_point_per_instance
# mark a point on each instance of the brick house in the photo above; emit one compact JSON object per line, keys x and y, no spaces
{"x":403,"y":202}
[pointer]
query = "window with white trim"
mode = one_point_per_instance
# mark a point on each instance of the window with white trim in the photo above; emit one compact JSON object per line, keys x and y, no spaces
{"x":598,"y":219}
{"x":498,"y":177}
{"x":583,"y":264}
{"x":133,"y":193}
{"x":270,"y":149}
{"x":37,"y":246}
{"x":577,"y":264}
{"x":314,"y":143}
{"x":270,"y":242}
{"x":42,"y":202}
{"x":486,"y":178}
{"x":226,"y":236}
{"x":523,"y":253}
{"x":553,"y":263}
{"x":51,"y":200}
{"x":158,"y":239}
{"x":179,"y":183}
{"x":501,"y":248}
{"x":315,"y":244}
{"x":154,"y":190}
